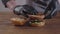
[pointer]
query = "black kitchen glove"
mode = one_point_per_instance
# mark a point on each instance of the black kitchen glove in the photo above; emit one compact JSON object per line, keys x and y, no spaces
{"x":24,"y":10}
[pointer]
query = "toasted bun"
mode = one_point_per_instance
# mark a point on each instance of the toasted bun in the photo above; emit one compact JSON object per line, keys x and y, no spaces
{"x":18,"y":21}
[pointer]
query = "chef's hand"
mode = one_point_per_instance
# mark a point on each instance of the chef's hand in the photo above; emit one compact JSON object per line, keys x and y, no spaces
{"x":11,"y":4}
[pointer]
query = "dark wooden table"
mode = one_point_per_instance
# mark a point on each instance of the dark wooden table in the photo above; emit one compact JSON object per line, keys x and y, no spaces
{"x":52,"y":26}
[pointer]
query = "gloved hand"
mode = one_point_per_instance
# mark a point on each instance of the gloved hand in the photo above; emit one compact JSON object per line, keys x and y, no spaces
{"x":24,"y":10}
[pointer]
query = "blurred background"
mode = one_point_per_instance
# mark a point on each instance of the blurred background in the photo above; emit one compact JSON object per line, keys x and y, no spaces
{"x":2,"y":8}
